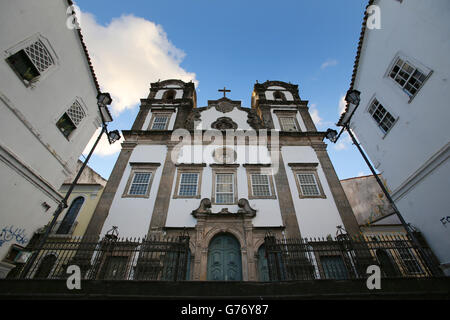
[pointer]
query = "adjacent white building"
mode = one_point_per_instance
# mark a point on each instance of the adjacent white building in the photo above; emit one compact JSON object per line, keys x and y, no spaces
{"x":403,"y":73}
{"x":48,"y":113}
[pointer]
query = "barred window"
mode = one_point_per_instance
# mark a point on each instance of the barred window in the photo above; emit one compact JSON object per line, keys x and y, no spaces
{"x":70,"y":120}
{"x":224,"y":188}
{"x":39,"y":55}
{"x":188,"y":184}
{"x":140,"y":183}
{"x":308,"y":184}
{"x":408,"y":261}
{"x":288,"y":124}
{"x":383,"y":118}
{"x":407,"y":76}
{"x":30,"y":62}
{"x":261,"y":185}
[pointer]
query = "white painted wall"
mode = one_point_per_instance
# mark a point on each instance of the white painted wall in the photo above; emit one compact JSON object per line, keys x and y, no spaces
{"x":316,"y":217}
{"x":132,"y":215}
{"x":29,"y":114}
{"x":211,"y":115}
{"x":268,"y":210}
{"x":420,"y":134}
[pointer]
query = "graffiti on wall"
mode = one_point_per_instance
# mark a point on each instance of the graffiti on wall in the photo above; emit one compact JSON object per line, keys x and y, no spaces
{"x":13,"y":234}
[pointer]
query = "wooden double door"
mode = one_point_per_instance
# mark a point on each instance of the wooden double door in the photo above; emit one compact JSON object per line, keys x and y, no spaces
{"x":224,"y":259}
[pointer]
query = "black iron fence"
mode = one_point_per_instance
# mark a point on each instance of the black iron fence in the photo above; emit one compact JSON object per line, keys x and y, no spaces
{"x":156,"y":258}
{"x":347,"y":258}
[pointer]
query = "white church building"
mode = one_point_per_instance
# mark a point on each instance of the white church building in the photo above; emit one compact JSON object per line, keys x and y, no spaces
{"x":225,"y":174}
{"x":402,"y":70}
{"x":48,"y":113}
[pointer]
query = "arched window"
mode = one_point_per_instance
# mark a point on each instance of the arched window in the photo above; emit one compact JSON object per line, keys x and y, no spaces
{"x":71,"y":215}
{"x":169,"y":95}
{"x":45,"y":268}
{"x":279,"y":96}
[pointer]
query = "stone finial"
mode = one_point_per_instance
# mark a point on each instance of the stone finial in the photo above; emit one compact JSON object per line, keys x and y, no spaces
{"x":205,"y":207}
{"x":245,"y":208}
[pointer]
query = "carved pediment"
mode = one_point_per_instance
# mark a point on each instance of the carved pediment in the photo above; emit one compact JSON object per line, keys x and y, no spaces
{"x":204,"y":210}
{"x":224,"y":106}
{"x":224,"y":123}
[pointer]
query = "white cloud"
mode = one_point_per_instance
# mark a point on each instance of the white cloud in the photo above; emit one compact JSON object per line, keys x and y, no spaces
{"x":343,"y":143}
{"x":103,"y":148}
{"x":128,"y":54}
{"x":361,"y":174}
{"x":329,"y":63}
{"x":315,"y":114}
{"x":342,"y":105}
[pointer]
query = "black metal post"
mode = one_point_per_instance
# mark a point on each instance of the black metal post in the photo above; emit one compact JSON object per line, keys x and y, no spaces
{"x":62,"y":205}
{"x":386,"y":193}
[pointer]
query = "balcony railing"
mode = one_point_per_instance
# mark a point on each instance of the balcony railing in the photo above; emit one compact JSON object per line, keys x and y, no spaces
{"x":348,"y":258}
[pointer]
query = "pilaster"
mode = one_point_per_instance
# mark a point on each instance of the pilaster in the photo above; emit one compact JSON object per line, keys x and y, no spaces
{"x":163,"y":197}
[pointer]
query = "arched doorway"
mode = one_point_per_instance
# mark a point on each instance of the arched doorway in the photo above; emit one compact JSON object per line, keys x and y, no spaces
{"x":71,"y":215}
{"x":224,"y":259}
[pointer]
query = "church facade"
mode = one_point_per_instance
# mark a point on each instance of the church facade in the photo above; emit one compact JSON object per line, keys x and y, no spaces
{"x":224,"y":174}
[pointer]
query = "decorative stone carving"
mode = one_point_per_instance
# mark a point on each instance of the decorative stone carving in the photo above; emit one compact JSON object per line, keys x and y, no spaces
{"x":224,"y":211}
{"x":192,"y":118}
{"x":254,"y":121}
{"x":224,"y":106}
{"x":204,"y":210}
{"x":205,"y":207}
{"x":245,"y":208}
{"x":224,"y":123}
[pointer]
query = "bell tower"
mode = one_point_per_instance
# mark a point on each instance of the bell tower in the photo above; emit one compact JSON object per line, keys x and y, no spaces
{"x":277,"y":102}
{"x":172,"y":95}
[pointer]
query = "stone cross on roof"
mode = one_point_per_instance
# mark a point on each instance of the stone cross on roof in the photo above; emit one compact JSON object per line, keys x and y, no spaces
{"x":224,"y":90}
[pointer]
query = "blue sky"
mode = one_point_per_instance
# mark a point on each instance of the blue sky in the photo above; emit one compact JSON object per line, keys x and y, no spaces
{"x":233,"y":44}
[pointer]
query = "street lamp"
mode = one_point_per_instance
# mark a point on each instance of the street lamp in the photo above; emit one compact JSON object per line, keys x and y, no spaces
{"x":353,"y":97}
{"x":103,"y":100}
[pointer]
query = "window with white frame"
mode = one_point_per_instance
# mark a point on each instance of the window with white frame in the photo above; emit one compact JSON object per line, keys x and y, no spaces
{"x":261,"y":185}
{"x":31,"y":61}
{"x":160,"y":121}
{"x":188,"y":184}
{"x":383,"y":118}
{"x":140,"y":180}
{"x":140,"y":183}
{"x":288,"y":123}
{"x":224,"y":188}
{"x":308,"y":184}
{"x":71,"y":119}
{"x":407,"y":76}
{"x":307,"y":180}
